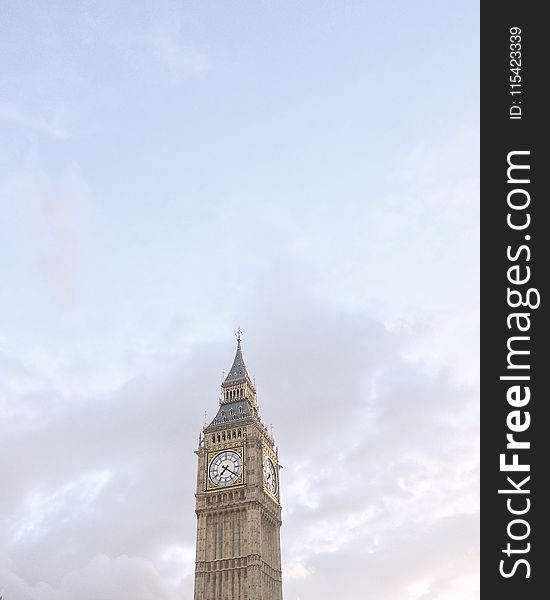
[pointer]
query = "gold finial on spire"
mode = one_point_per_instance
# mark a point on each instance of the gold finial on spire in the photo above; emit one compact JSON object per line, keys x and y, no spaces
{"x":239,"y":334}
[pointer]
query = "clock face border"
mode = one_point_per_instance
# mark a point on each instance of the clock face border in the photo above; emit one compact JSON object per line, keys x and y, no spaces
{"x":211,"y":485}
{"x":272,"y":463}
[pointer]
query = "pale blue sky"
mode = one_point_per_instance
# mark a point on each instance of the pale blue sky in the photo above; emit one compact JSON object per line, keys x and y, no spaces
{"x":171,"y":170}
{"x":192,"y":142}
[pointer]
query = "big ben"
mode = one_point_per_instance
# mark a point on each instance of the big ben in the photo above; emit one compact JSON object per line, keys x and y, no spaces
{"x":238,"y":499}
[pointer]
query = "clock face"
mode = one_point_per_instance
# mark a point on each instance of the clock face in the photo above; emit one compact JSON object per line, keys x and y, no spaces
{"x":270,"y":476}
{"x":225,"y":467}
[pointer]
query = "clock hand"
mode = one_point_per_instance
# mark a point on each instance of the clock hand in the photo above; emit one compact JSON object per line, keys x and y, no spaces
{"x":226,"y":468}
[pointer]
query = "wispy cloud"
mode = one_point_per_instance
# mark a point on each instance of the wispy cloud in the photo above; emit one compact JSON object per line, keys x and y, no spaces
{"x":55,"y":125}
{"x":49,"y":215}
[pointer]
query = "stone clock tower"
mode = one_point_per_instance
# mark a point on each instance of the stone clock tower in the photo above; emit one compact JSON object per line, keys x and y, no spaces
{"x":238,"y":499}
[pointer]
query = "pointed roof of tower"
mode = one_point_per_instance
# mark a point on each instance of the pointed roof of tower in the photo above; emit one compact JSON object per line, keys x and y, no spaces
{"x":238,"y":371}
{"x":236,"y":407}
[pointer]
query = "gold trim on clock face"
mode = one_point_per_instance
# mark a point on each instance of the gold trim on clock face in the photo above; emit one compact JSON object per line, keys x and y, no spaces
{"x":225,"y":468}
{"x":270,"y":476}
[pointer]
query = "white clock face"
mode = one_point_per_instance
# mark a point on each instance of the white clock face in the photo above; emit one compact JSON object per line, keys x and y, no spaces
{"x":270,"y":476}
{"x":225,"y":468}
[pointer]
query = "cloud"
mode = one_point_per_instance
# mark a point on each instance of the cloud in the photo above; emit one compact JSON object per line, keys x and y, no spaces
{"x":147,"y":40}
{"x":379,"y":483}
{"x":100,"y":579}
{"x":53,"y":125}
{"x":49,"y":215}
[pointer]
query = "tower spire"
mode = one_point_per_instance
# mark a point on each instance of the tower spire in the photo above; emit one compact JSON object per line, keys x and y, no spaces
{"x":238,"y":372}
{"x":237,"y":386}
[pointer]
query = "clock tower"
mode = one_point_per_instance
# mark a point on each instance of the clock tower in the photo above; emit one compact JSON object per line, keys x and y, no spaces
{"x":238,"y":499}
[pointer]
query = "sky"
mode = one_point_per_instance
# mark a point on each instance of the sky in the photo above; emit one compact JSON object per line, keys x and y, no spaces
{"x":307,"y":171}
